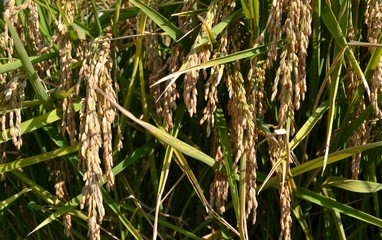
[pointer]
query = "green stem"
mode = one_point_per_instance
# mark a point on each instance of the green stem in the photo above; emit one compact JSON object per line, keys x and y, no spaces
{"x":29,"y":70}
{"x":242,"y":197}
{"x":95,"y":13}
{"x":116,"y":17}
{"x":373,"y":178}
{"x":138,"y":55}
{"x":153,"y":169}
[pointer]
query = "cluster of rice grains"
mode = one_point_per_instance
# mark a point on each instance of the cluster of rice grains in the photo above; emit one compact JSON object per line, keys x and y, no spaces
{"x":66,"y":50}
{"x":156,"y":67}
{"x":247,"y":99}
{"x":373,"y":20}
{"x":59,"y":169}
{"x":289,"y":20}
{"x":12,"y":84}
{"x":97,"y":116}
{"x":363,"y":134}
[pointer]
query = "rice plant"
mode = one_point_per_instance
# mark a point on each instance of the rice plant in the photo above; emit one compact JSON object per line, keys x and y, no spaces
{"x":141,"y":119}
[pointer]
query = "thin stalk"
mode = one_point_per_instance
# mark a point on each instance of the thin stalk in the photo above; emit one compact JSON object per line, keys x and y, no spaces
{"x":95,"y":13}
{"x":373,"y":178}
{"x":242,"y":197}
{"x":251,"y":16}
{"x":138,"y":55}
{"x":120,"y":227}
{"x":336,"y":216}
{"x":254,"y":14}
{"x":146,"y":117}
{"x":315,"y":42}
{"x":166,"y":168}
{"x":371,"y":66}
{"x":34,"y":79}
{"x":117,"y":8}
{"x":256,"y":11}
{"x":228,"y":162}
{"x":114,"y":51}
{"x":332,"y":103}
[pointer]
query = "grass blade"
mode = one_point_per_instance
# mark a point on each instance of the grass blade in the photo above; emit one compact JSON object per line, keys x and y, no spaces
{"x":248,"y":53}
{"x":24,"y":162}
{"x":5,"y":203}
{"x":29,"y":70}
{"x":74,"y":202}
{"x":167,"y":26}
{"x":114,"y":207}
{"x":216,"y":30}
{"x":297,"y":211}
{"x":226,"y":149}
{"x":166,"y":167}
{"x":332,"y":104}
{"x":166,"y":137}
{"x":336,"y":206}
{"x":191,"y":176}
{"x":38,"y":122}
{"x":357,"y":186}
{"x":332,"y":158}
{"x":334,"y":28}
{"x":308,"y":125}
{"x":16,"y":64}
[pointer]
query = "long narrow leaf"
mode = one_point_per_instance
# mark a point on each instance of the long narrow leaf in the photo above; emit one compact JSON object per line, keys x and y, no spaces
{"x":191,"y":176}
{"x":166,"y":167}
{"x":309,"y":124}
{"x":333,"y":26}
{"x":248,"y":53}
{"x":24,"y":162}
{"x":39,"y":121}
{"x":336,"y":206}
{"x":29,"y":70}
{"x":5,"y":203}
{"x":227,"y":154}
{"x":216,"y":30}
{"x":16,"y":64}
{"x":166,"y":137}
{"x":39,"y":191}
{"x":114,"y":207}
{"x":332,"y":158}
{"x":357,"y":186}
{"x":74,"y":202}
{"x":167,"y":26}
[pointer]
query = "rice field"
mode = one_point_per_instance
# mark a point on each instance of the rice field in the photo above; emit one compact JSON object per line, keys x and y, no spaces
{"x":141,"y":119}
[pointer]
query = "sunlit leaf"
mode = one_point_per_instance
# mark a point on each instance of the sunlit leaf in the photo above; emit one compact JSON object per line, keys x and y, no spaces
{"x":357,"y":186}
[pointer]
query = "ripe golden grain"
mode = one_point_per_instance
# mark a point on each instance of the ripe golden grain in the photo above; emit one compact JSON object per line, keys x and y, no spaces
{"x":97,"y":116}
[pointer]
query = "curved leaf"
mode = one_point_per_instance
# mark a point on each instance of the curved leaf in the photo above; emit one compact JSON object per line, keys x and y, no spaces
{"x":357,"y":186}
{"x":336,"y":206}
{"x":24,"y":162}
{"x":5,"y":203}
{"x":38,"y":122}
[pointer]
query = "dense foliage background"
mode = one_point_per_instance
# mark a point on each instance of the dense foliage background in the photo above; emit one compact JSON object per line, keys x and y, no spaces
{"x":219,"y":119}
